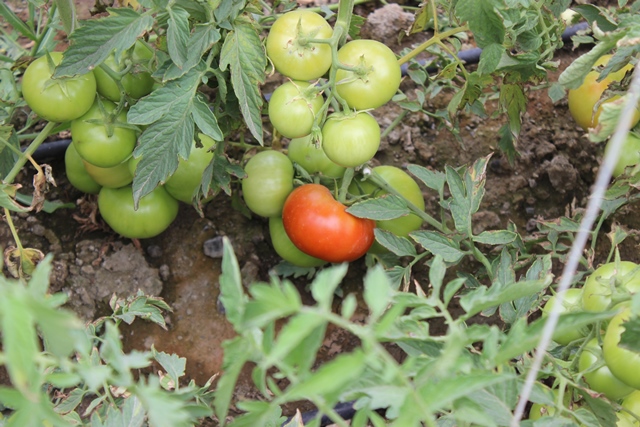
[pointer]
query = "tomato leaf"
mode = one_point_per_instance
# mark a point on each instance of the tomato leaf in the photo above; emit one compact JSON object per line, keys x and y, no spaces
{"x":243,"y":53}
{"x":172,"y":364}
{"x":203,"y":37}
{"x":12,"y":19}
{"x":401,"y":246}
{"x":97,"y":39}
{"x":298,"y":329}
{"x":483,"y":20}
{"x":377,"y":292}
{"x":630,"y":337}
{"x":432,"y":179}
{"x":236,"y":352}
{"x":385,"y":207}
{"x":178,"y":35}
{"x":325,"y":284}
{"x":232,"y":293}
{"x":67,"y":10}
{"x":270,"y":302}
{"x":439,"y":244}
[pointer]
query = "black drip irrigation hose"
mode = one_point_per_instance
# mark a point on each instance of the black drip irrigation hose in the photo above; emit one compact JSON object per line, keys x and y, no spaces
{"x":56,"y":149}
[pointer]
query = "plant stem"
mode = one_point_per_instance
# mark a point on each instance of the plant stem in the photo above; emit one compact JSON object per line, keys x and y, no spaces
{"x":438,"y":37}
{"x":17,"y":167}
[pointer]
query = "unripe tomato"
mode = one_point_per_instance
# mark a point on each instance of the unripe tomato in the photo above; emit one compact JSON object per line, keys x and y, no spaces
{"x":285,"y":247}
{"x":291,"y":54}
{"x":186,"y":179}
{"x":623,"y":363}
{"x":136,"y":83}
{"x":572,"y":301}
{"x":320,"y":226}
{"x":632,"y":402}
{"x":57,"y":100}
{"x":350,"y":140}
{"x":156,"y":211}
{"x":313,"y":158}
{"x":597,"y":290}
{"x":629,"y":154}
{"x":77,"y":174}
{"x":293,"y":108}
{"x":582,"y":101}
{"x":114,"y":177}
{"x":268,"y":182}
{"x":378,"y":82}
{"x":93,"y":142}
{"x":601,"y":379}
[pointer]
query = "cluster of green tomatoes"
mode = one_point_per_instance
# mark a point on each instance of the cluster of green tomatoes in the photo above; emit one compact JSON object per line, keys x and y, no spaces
{"x":603,"y":365}
{"x":99,"y":159}
{"x":308,"y":225}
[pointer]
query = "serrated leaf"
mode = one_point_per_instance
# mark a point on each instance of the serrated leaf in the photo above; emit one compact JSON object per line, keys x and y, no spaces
{"x":432,"y":179}
{"x":483,"y":298}
{"x":163,"y":409}
{"x":270,"y":302}
{"x":490,"y":58}
{"x":573,"y":76}
{"x":203,"y":37}
{"x":172,"y":364}
{"x":439,"y":244}
{"x":244,"y":54}
{"x":484,"y":22}
{"x":377,"y":292}
{"x":514,"y":102}
{"x":178,"y":35}
{"x":232,"y":293}
{"x":326,"y":283}
{"x":67,"y":11}
{"x":401,"y":246}
{"x":290,"y":337}
{"x":381,"y":208}
{"x":630,"y":337}
{"x":93,"y":42}
{"x":12,"y":19}
{"x":497,"y":237}
{"x":237,"y":352}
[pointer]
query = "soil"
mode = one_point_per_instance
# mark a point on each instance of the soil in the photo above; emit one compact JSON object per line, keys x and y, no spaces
{"x":549,"y":178}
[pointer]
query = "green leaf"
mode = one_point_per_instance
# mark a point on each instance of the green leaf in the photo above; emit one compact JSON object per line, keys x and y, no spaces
{"x":432,"y":179}
{"x":326,"y":283}
{"x":381,"y":208}
{"x":178,"y":35}
{"x":290,"y":338}
{"x":237,"y":352}
{"x":484,"y":22}
{"x":436,"y":275}
{"x":377,"y":292}
{"x":67,"y":11}
{"x":232,"y":293}
{"x":203,"y":37}
{"x":439,"y":244}
{"x":163,"y":409}
{"x":513,"y":100}
{"x":12,"y":19}
{"x":258,"y":414}
{"x":595,"y":14}
{"x":8,"y":193}
{"x":270,"y":302}
{"x":9,"y":143}
{"x":573,"y":76}
{"x":48,"y":206}
{"x":401,"y":246}
{"x":98,"y":38}
{"x":490,"y":58}
{"x":498,"y":237}
{"x":172,"y":364}
{"x":244,"y":54}
{"x":630,"y":337}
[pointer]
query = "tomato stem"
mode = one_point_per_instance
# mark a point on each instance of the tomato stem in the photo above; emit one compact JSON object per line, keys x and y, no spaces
{"x":17,"y":167}
{"x":344,"y":187}
{"x":437,"y":38}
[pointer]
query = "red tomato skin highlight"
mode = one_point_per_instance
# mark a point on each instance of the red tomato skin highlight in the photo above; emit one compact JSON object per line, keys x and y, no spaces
{"x":320,"y":226}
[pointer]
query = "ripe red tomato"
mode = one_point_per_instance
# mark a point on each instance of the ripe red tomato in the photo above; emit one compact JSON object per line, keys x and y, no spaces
{"x":582,"y":101}
{"x":156,"y":211}
{"x":320,"y":226}
{"x":629,"y":154}
{"x":351,"y":139}
{"x":597,"y":290}
{"x":268,"y":182}
{"x":293,"y":107}
{"x":93,"y":142}
{"x":377,"y":84}
{"x":285,"y":247}
{"x":136,"y":83}
{"x":290,"y":54}
{"x":58,"y":100}
{"x":600,"y":379}
{"x":77,"y":174}
{"x":312,"y":158}
{"x":624,"y":364}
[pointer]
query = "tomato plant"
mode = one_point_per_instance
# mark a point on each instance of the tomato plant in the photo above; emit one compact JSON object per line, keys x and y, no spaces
{"x":268,"y":182}
{"x":313,"y":158}
{"x":629,"y":154}
{"x":184,"y":182}
{"x":101,"y":137}
{"x":76,"y":172}
{"x":290,"y":50}
{"x":623,"y":363}
{"x":113,"y":177}
{"x":350,"y":139}
{"x":608,"y":280}
{"x":583,"y":100}
{"x":376,"y":74}
{"x":320,"y":226}
{"x":155,"y":213}
{"x":284,"y":247}
{"x":57,"y":100}
{"x":293,"y":107}
{"x":572,"y":301}
{"x":136,"y":82}
{"x":598,"y":375}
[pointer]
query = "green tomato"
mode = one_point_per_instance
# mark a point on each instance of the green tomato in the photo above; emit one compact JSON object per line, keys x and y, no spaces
{"x":600,"y":379}
{"x":293,"y":108}
{"x":624,"y":364}
{"x":380,"y":77}
{"x":350,"y":140}
{"x":600,"y":285}
{"x":57,"y":100}
{"x":114,"y":177}
{"x":156,"y":211}
{"x":76,"y":172}
{"x":288,"y":51}
{"x":268,"y":182}
{"x":285,"y":247}
{"x":93,"y":142}
{"x":632,"y":403}
{"x":312,"y":158}
{"x":136,"y":83}
{"x":629,"y":154}
{"x":572,"y":301}
{"x":187,"y":178}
